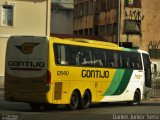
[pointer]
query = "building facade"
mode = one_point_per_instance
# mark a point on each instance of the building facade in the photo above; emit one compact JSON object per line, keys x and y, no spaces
{"x":61,"y":18}
{"x":134,"y":22}
{"x":124,"y":22}
{"x":65,"y":3}
{"x":116,"y":20}
{"x":22,"y":17}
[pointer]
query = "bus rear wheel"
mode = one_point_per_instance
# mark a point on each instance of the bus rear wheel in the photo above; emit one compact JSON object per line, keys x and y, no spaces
{"x":136,"y":98}
{"x":35,"y":106}
{"x":49,"y":106}
{"x":86,"y":100}
{"x":74,"y":101}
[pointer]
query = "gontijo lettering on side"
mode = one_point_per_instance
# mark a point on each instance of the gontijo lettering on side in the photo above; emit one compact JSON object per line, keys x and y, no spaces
{"x":95,"y":74}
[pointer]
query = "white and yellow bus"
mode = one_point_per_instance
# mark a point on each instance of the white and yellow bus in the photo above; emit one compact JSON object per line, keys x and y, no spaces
{"x":76,"y":72}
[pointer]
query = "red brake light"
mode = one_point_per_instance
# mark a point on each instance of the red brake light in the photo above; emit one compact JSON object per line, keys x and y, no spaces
{"x":48,"y":77}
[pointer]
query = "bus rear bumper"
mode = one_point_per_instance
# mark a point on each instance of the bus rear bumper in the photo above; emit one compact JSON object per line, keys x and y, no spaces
{"x":26,"y":97}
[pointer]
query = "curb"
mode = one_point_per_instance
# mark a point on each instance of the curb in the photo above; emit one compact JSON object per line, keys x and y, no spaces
{"x":153,"y":99}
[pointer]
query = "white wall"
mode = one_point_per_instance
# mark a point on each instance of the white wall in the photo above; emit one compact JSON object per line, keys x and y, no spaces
{"x":65,"y":3}
{"x":31,"y":17}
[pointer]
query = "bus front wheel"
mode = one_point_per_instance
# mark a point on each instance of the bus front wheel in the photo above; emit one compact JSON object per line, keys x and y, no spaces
{"x":136,"y":98}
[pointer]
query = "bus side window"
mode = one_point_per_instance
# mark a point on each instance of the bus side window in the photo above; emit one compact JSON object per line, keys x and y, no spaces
{"x":112,"y":59}
{"x":85,"y":58}
{"x":72,"y":55}
{"x":56,"y":54}
{"x":98,"y":58}
{"x":60,"y":54}
{"x":138,"y":61}
{"x":116,"y":59}
{"x":80,"y":57}
{"x":109,"y":59}
{"x":135,"y":61}
{"x":125,"y":60}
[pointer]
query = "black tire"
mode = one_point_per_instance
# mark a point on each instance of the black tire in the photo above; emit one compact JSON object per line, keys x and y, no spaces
{"x":136,"y":98}
{"x":74,"y":101}
{"x":86,"y":100}
{"x":50,"y":106}
{"x":35,"y":106}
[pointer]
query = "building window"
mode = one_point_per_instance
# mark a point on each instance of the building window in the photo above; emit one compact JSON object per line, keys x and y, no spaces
{"x":102,"y":30}
{"x":75,"y":11}
{"x":115,"y":3}
{"x":103,"y":5}
{"x":6,"y":15}
{"x":132,"y":27}
{"x":133,"y":3}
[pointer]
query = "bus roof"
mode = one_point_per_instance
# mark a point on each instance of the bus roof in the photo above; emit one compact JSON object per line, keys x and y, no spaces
{"x":62,"y":36}
{"x":90,"y":41}
{"x":81,"y":39}
{"x":93,"y":42}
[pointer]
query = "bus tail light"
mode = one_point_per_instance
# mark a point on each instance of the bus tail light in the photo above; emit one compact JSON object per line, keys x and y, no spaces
{"x":48,"y":77}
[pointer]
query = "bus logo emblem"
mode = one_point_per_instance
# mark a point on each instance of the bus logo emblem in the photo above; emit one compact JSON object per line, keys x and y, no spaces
{"x":27,"y":48}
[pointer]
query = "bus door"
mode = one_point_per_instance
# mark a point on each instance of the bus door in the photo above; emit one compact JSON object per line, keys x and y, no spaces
{"x":98,"y":86}
{"x":147,"y":76}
